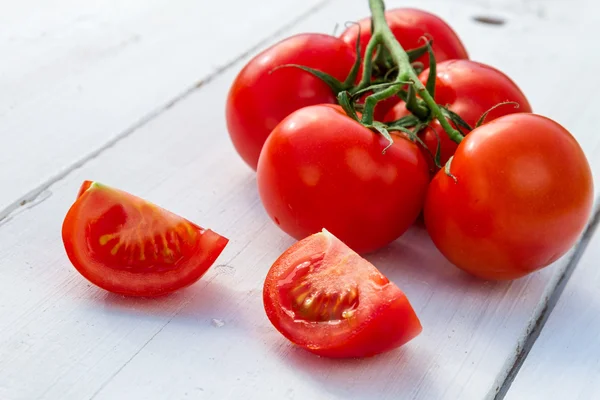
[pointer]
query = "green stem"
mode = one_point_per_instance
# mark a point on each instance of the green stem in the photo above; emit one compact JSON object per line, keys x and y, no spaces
{"x":414,"y":106}
{"x":382,"y":34}
{"x":367,"y":66}
{"x":372,"y":100}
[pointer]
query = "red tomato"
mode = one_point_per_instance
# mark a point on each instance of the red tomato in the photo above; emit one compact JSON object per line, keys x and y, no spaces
{"x":469,"y":89}
{"x":409,"y":25}
{"x":129,"y":246}
{"x":324,"y":297}
{"x":522,"y":196}
{"x":260,"y":98}
{"x":321,"y":169}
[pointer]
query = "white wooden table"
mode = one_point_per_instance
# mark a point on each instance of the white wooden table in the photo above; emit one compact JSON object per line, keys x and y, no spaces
{"x":131,"y":93}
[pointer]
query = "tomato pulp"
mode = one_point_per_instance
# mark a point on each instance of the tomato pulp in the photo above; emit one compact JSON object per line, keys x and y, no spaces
{"x":129,"y":246}
{"x":261,"y":96}
{"x":324,"y":297}
{"x":321,"y":169}
{"x":522,"y":196}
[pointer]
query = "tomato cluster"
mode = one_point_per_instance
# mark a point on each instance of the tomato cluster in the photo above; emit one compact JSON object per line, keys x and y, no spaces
{"x":350,"y":145}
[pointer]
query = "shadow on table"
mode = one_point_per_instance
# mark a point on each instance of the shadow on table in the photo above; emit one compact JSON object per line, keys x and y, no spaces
{"x":417,"y":267}
{"x":462,"y":316}
{"x":396,"y":374}
{"x":414,"y":257}
{"x":205,"y":303}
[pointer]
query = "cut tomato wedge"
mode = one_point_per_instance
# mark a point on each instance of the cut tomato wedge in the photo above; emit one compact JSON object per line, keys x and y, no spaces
{"x":127,"y":245}
{"x":324,"y":297}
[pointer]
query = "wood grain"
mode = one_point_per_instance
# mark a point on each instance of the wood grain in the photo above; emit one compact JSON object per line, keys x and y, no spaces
{"x":76,"y":75}
{"x":62,"y":338}
{"x":564,"y":362}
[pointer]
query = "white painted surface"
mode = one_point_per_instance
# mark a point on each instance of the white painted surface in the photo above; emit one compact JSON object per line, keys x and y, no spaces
{"x":75,"y":75}
{"x":61,"y":338}
{"x":564,"y":362}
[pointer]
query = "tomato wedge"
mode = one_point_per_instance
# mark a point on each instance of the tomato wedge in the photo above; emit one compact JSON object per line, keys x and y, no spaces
{"x":324,"y":297}
{"x":127,"y":245}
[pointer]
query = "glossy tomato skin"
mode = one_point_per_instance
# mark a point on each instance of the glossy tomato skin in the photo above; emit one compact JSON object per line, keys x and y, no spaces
{"x":129,"y":246}
{"x":324,"y":297}
{"x":321,"y":169}
{"x":469,"y":89}
{"x":409,"y":25}
{"x":522,"y":196}
{"x":260,"y":98}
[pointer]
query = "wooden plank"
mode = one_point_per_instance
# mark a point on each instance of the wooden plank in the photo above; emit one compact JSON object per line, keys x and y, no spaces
{"x":564,"y":362}
{"x":77,"y":75}
{"x":213,"y":340}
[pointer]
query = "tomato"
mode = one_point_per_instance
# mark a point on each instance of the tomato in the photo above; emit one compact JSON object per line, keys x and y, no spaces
{"x":324,"y":297}
{"x":129,"y":246}
{"x":469,"y":89}
{"x":321,"y":169}
{"x":522,"y":196}
{"x":409,"y":25}
{"x":260,"y":98}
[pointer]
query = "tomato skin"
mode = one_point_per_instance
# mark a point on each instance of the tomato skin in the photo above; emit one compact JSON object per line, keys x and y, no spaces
{"x":523,"y":195}
{"x":469,"y":89}
{"x":129,"y":246}
{"x":260,"y":98}
{"x":409,"y":25}
{"x":382,"y":321}
{"x":321,"y":169}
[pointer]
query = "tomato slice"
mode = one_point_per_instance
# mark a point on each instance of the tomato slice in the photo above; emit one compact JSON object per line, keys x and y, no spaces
{"x":324,"y":297}
{"x":127,"y":245}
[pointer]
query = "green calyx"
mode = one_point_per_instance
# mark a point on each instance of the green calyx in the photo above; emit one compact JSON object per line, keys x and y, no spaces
{"x":388,"y":70}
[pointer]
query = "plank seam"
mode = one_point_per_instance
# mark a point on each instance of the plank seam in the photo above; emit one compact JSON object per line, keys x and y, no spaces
{"x":30,"y":197}
{"x":546,"y":310}
{"x":105,"y":383}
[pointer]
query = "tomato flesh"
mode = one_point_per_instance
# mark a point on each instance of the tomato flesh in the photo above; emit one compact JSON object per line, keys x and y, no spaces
{"x":522,"y":196}
{"x":324,"y":297}
{"x":127,"y":245}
